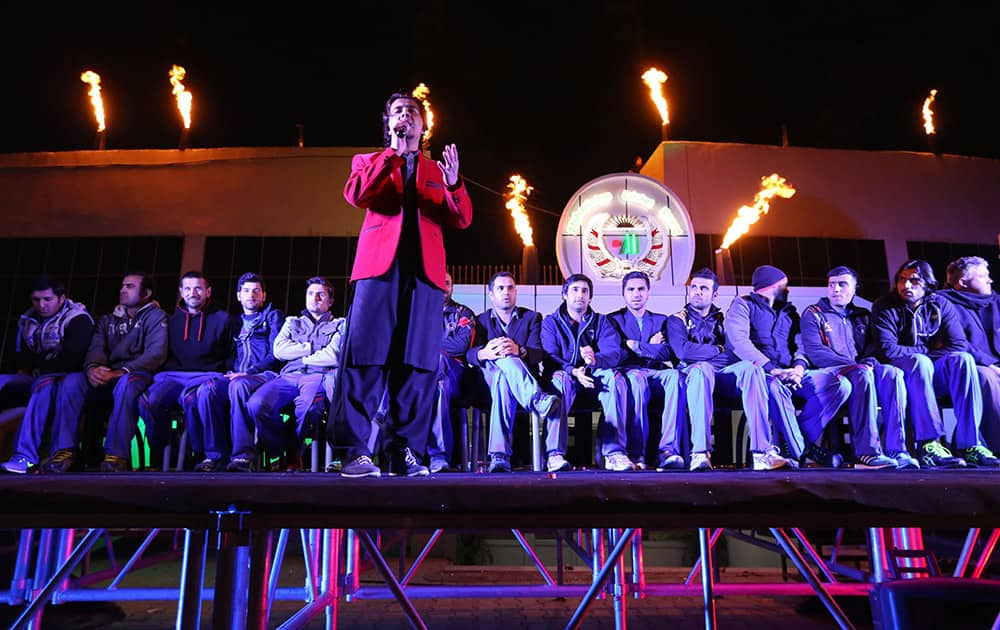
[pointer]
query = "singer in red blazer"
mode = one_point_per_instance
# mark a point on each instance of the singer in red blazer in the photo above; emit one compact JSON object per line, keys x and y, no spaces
{"x":376,"y":185}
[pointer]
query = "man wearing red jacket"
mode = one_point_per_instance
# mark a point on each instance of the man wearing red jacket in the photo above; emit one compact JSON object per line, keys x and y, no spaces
{"x":395,"y":319}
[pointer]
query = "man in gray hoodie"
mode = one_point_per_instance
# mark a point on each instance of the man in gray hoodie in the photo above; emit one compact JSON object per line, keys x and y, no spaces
{"x":128,"y":346}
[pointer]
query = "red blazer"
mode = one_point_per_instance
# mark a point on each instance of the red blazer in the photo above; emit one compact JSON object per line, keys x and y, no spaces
{"x":376,"y":185}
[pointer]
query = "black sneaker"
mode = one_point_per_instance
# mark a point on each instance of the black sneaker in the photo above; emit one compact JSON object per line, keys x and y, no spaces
{"x":411,"y":466}
{"x":114,"y":464}
{"x":360,"y":467}
{"x":241,"y":463}
{"x":934,"y":454}
{"x":669,"y":461}
{"x":821,"y":456}
{"x":207,"y":465}
{"x":63,"y":460}
{"x":980,"y":456}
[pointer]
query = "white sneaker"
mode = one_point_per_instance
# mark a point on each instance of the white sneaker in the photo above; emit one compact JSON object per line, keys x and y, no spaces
{"x":701,"y":461}
{"x":770,"y":460}
{"x":618,"y":462}
{"x":556,"y":463}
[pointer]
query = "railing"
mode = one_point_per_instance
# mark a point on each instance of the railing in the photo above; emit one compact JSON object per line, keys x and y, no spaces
{"x":481,"y":274}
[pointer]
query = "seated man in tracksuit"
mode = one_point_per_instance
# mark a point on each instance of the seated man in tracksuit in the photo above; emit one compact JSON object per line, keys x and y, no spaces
{"x":311,"y":344}
{"x":582,"y":349}
{"x":52,"y":339}
{"x":223,"y":399}
{"x":836,"y":334}
{"x":763,"y":327}
{"x":697,"y":338}
{"x":920,"y":332}
{"x":978,"y":307}
{"x":645,"y":361}
{"x":200,"y":341}
{"x":128,"y":347}
{"x":508,"y":348}
{"x":456,"y":339}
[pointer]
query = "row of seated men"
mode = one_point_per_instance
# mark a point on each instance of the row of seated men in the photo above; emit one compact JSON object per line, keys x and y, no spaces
{"x":231,"y":377}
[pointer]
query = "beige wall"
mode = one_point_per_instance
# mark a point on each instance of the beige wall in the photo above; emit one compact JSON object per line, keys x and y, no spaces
{"x":240,"y":192}
{"x":890,"y":195}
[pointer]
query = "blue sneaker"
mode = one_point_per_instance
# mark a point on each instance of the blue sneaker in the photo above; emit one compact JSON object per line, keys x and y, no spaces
{"x":18,"y":464}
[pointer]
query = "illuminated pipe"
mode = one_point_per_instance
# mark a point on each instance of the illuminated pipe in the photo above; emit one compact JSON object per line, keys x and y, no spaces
{"x":190,"y":594}
{"x":135,"y":558}
{"x":600,"y":578}
{"x":331,"y":572}
{"x":707,"y":578}
{"x":533,"y":556}
{"x":984,"y":558}
{"x":963,"y":558}
{"x":420,"y":556}
{"x":279,"y":556}
{"x":638,"y":567}
{"x":19,"y":582}
{"x":161,"y":594}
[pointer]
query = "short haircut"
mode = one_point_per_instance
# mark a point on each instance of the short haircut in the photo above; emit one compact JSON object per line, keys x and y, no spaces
{"x":197,"y":275}
{"x":45,"y":282}
{"x":577,"y":277}
{"x":843,"y":270}
{"x":320,"y":280}
{"x":250,"y":277}
{"x":498,"y":275}
{"x":386,"y":132}
{"x":923,"y":269}
{"x":706,"y":274}
{"x":634,"y":275}
{"x":145,"y":281}
{"x":958,"y":268}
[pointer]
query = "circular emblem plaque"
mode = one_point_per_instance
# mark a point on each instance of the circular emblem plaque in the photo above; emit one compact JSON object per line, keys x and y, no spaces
{"x":626,"y":222}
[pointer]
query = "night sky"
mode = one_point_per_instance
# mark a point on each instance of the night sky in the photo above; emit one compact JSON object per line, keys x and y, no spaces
{"x":550,"y":90}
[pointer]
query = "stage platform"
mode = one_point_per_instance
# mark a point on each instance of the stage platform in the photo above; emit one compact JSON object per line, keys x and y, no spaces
{"x":579,"y":499}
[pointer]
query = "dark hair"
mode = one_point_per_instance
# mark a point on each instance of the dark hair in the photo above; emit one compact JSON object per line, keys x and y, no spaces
{"x":386,"y":136}
{"x":498,"y":275}
{"x":320,"y":280}
{"x":197,"y":275}
{"x":250,"y":277}
{"x":145,"y":281}
{"x":634,"y":275}
{"x":843,"y":270}
{"x":577,"y":277}
{"x":46,"y":282}
{"x":706,"y":274}
{"x":923,"y":269}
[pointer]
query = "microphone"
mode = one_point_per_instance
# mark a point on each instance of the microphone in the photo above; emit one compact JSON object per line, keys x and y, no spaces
{"x":400,"y":131}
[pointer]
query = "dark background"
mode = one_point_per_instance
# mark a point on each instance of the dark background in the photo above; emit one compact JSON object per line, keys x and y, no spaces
{"x":550,"y":90}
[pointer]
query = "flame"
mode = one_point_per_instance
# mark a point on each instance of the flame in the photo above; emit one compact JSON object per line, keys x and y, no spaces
{"x":94,"y":80}
{"x":519,"y":191}
{"x":655,"y":79}
{"x":421,"y":92}
{"x":929,"y":113}
{"x":771,"y":186}
{"x":183,"y":96}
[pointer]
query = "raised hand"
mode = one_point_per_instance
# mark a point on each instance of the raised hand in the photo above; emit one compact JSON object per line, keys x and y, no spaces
{"x":449,"y":168}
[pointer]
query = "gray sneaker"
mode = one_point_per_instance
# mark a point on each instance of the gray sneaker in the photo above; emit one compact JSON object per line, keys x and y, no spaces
{"x":904,"y":461}
{"x":874,"y":462}
{"x":544,"y":404}
{"x":499,"y":463}
{"x":360,"y":467}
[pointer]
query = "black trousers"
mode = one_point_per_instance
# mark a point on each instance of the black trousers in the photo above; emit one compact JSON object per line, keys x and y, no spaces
{"x":390,"y":373}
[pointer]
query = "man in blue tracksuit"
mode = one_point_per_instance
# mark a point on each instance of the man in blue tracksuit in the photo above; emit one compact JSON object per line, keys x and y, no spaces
{"x":582,"y":349}
{"x":200,"y":341}
{"x":836,"y":334}
{"x":508,"y":348}
{"x":763,"y":327}
{"x":311,"y":344}
{"x":978,"y":307}
{"x":697,"y":338}
{"x":52,"y":339}
{"x":645,"y":361}
{"x":127,"y":348}
{"x":224,"y":398}
{"x":920,"y":332}
{"x":457,"y":337}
